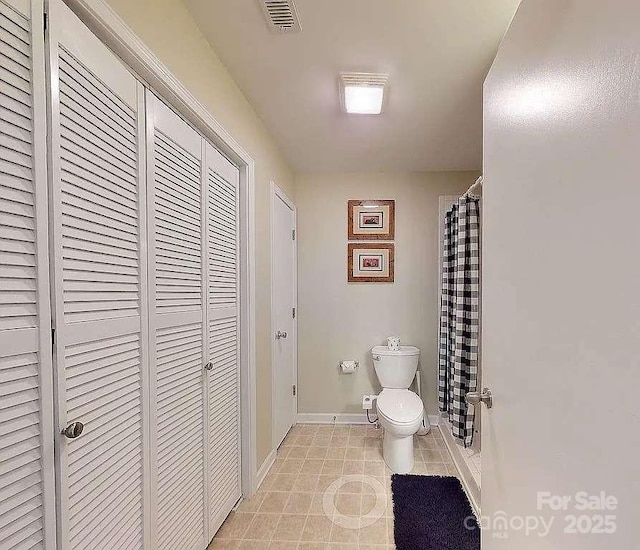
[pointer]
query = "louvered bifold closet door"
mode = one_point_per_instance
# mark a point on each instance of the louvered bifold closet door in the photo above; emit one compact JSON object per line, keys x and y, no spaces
{"x":178,"y":344}
{"x":98,"y":203}
{"x":27,"y":499}
{"x":223,"y":380}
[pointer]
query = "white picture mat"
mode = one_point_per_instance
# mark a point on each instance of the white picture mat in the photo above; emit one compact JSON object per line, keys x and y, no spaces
{"x":360,"y":253}
{"x":360,"y":211}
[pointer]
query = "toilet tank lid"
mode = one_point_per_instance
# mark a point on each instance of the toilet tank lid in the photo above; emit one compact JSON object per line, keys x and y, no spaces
{"x":404,"y":350}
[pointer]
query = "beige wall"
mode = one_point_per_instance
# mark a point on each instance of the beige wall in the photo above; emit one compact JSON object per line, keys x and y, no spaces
{"x":340,"y":320}
{"x":169,"y":30}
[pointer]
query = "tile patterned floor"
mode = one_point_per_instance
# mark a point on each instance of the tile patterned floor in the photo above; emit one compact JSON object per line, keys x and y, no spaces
{"x":287,"y":512}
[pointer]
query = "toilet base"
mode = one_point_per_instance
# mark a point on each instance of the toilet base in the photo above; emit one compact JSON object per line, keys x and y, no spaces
{"x":397,"y":451}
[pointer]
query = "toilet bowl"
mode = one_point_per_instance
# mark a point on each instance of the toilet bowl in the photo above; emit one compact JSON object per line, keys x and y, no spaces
{"x":400,"y":413}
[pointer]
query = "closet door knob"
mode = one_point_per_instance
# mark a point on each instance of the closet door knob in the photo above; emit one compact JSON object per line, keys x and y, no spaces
{"x":280,"y":334}
{"x":73,"y":430}
{"x":209,"y":366}
{"x":475,"y":398}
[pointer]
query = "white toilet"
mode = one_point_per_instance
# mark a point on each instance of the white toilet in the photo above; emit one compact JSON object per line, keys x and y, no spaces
{"x":400,"y":410}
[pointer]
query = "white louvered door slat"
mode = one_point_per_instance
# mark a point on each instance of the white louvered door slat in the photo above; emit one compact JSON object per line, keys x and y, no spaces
{"x":223,"y":380}
{"x":98,"y":197}
{"x":177,"y":338}
{"x":27,"y":499}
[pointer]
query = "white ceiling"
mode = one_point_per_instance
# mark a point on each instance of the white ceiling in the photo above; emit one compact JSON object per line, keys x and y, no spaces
{"x":436,"y":54}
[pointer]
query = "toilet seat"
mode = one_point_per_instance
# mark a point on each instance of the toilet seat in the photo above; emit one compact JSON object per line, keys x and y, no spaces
{"x":399,"y":407}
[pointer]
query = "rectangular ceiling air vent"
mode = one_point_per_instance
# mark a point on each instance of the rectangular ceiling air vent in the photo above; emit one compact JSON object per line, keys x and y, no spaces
{"x":281,"y":15}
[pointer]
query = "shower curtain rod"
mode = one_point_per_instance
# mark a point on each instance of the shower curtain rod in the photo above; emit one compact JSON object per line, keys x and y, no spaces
{"x":474,"y":188}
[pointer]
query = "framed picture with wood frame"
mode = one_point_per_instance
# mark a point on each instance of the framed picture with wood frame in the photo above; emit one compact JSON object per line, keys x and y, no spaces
{"x":371,"y":220}
{"x":370,"y":262}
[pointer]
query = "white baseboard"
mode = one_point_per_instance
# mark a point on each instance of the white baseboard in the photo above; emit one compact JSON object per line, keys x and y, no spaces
{"x":333,"y":418}
{"x":264,"y":469}
{"x":468,"y":482}
{"x":345,"y":418}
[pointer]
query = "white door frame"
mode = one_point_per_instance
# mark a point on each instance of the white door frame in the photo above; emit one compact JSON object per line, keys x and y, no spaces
{"x":277,"y":193}
{"x":114,"y":32}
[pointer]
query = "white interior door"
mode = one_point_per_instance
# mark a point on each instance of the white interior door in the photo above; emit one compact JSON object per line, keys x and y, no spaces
{"x":283,"y":289}
{"x":223,"y":322}
{"x":99,"y":288}
{"x":560,"y":278}
{"x":27,"y":517}
{"x":178,"y":348}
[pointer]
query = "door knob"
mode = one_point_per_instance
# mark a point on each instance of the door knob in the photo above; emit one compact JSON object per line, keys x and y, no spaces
{"x":475,"y":398}
{"x":280,"y":334}
{"x":209,"y":366}
{"x":73,"y":430}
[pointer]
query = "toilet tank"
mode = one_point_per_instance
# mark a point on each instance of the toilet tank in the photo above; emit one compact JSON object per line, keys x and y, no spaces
{"x":395,"y":369}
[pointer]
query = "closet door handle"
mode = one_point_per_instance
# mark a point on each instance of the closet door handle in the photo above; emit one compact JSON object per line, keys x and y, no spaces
{"x":73,"y":430}
{"x":209,"y":366}
{"x":475,"y":398}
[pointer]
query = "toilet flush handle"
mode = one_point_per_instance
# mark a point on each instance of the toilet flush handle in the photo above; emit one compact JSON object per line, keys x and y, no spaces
{"x":376,"y":358}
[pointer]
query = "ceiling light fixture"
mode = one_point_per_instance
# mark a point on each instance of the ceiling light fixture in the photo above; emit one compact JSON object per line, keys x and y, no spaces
{"x":363,"y":93}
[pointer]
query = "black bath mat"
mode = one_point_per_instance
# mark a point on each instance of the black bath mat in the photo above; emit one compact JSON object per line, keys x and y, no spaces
{"x":430,"y":512}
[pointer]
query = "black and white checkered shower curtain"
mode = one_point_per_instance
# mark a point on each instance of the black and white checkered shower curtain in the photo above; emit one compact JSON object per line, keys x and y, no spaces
{"x":459,"y":315}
